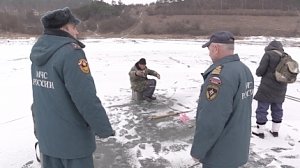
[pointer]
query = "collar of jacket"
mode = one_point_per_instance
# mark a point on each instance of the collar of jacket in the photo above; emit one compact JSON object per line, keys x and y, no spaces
{"x":222,"y":61}
{"x":58,"y":32}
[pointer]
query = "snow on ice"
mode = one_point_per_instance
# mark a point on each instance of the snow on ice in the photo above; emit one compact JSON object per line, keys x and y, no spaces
{"x":141,"y":142}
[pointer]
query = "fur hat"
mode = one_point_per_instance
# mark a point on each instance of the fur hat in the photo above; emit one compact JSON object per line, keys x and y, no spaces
{"x":224,"y":37}
{"x":142,"y":61}
{"x":58,"y":18}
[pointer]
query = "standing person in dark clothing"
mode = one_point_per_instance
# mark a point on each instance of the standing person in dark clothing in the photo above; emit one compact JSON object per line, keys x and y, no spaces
{"x":139,"y":81}
{"x":223,"y":120}
{"x":270,"y":93}
{"x":67,"y":112}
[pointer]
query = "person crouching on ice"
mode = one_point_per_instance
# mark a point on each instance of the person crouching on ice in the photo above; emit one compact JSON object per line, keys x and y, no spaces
{"x":139,"y":81}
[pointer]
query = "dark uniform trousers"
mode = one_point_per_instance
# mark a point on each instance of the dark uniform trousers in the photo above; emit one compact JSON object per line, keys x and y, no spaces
{"x":52,"y":162}
{"x":206,"y":166}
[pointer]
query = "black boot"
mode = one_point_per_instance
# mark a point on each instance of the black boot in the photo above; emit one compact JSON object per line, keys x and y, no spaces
{"x":275,"y":134}
{"x":275,"y":129}
{"x":153,"y":98}
{"x":148,"y":99}
{"x":260,"y":135}
{"x":259,"y":131}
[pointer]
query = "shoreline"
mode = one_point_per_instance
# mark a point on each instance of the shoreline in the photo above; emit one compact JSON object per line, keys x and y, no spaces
{"x":84,"y":35}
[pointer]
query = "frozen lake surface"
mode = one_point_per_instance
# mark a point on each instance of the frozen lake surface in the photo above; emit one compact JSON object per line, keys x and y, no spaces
{"x":141,"y":142}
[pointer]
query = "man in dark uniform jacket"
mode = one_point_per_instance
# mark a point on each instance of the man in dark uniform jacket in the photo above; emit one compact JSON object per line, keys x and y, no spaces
{"x":270,"y":93}
{"x":223,"y":120}
{"x":67,"y":112}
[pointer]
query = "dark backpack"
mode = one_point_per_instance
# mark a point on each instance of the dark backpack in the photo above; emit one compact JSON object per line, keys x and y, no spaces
{"x":287,"y":69}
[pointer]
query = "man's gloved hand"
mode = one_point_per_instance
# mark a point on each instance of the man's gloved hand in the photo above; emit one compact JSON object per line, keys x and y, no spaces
{"x":158,"y":75}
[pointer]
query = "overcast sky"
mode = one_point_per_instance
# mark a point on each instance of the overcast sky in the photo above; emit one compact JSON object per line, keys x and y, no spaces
{"x":132,"y":1}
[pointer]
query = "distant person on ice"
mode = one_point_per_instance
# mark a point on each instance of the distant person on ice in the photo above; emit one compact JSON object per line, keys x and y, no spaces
{"x":67,"y":112}
{"x":139,"y":81}
{"x":270,"y":93}
{"x":223,"y":119}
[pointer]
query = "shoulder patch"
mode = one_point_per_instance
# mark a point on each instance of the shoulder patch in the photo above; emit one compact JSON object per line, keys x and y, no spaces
{"x":84,"y":66}
{"x":215,"y":80}
{"x":212,"y":91}
{"x":217,"y":70}
{"x":76,"y":46}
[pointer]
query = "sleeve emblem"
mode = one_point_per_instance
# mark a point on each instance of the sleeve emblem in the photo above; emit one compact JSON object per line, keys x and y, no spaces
{"x":212,"y":92}
{"x":217,"y":70}
{"x":215,"y":80}
{"x":84,"y":66}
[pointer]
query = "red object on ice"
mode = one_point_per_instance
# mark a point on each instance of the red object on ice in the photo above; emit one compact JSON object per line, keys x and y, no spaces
{"x":184,"y":118}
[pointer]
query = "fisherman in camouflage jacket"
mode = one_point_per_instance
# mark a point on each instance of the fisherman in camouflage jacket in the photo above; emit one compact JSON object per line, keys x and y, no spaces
{"x":139,"y":81}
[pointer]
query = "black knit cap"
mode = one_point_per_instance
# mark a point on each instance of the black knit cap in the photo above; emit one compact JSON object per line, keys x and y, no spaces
{"x":58,"y":18}
{"x":142,"y":61}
